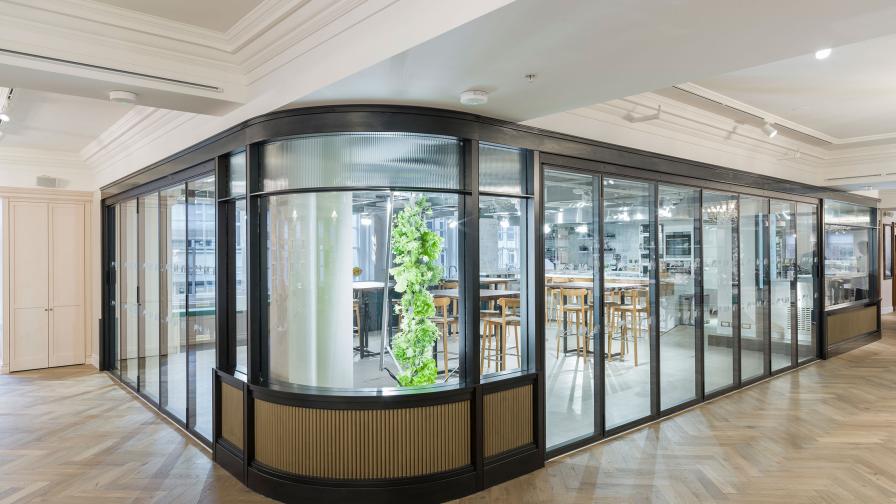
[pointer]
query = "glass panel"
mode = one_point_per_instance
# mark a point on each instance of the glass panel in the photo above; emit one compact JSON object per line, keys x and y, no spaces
{"x":847,"y":263}
{"x":241,"y":288}
{"x":326,"y":267}
{"x":116,"y":291}
{"x":887,"y":237}
{"x":838,"y":212}
{"x":173,"y":341}
{"x":628,"y":270}
{"x":130,"y":307}
{"x":679,"y":213}
{"x":502,"y":228}
{"x":720,"y":256}
{"x":201,"y":300}
{"x":807,"y":280}
{"x":753,"y":286}
{"x":236,"y":174}
{"x":149,"y":291}
{"x":569,"y":260}
{"x":362,"y":159}
{"x":501,"y":169}
{"x":783,"y":268}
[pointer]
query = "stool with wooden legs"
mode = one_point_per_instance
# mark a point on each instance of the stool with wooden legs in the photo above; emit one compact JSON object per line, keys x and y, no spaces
{"x":572,"y":304}
{"x":445,"y":320}
{"x":638,"y":307}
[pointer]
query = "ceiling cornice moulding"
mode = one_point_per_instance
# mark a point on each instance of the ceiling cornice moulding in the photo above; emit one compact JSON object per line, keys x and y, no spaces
{"x":725,"y":100}
{"x":41,"y":158}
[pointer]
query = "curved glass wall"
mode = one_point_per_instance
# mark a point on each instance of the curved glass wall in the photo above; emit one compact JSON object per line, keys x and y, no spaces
{"x":333,"y":311}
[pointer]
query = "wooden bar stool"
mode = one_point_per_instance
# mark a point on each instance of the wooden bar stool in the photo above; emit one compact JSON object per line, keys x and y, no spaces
{"x":638,"y":307}
{"x":444,"y":319}
{"x":576,"y":307}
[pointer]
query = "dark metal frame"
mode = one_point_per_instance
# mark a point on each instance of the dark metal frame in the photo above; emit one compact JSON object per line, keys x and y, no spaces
{"x":544,"y":148}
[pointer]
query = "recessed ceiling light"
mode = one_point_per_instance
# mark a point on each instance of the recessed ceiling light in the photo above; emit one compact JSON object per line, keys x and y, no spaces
{"x":769,"y":130}
{"x":4,"y":117}
{"x":473,"y":97}
{"x":822,"y":53}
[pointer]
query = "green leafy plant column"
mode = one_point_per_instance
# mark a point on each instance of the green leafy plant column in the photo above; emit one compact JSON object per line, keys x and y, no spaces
{"x":415,"y":250}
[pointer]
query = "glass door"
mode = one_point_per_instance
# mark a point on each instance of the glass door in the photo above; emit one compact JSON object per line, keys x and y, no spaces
{"x":571,"y":244}
{"x":678,"y":215}
{"x":130,"y":308}
{"x":782,"y":219}
{"x":720,"y":288}
{"x":754,"y":288}
{"x":172,"y":296}
{"x":807,"y":297}
{"x":629,"y":255}
{"x":201,"y":265}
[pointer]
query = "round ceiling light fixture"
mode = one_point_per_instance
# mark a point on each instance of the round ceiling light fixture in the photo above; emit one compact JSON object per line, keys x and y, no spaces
{"x":122,"y":97}
{"x":822,"y":53}
{"x":473,"y":97}
{"x":4,"y":117}
{"x":769,"y":130}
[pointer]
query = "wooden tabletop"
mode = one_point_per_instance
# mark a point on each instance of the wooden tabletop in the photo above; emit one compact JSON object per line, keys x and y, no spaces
{"x":483,"y":293}
{"x":367,"y":285}
{"x":590,"y":285}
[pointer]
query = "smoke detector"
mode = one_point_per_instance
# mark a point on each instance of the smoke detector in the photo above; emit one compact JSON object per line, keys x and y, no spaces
{"x":473,"y":97}
{"x":122,"y":97}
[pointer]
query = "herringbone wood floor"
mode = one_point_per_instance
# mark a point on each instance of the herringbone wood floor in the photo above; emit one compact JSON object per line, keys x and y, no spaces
{"x":823,"y":434}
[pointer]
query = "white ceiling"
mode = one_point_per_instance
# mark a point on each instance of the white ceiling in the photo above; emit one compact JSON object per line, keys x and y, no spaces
{"x":218,"y":15}
{"x":849,"y":95}
{"x":586,"y":52}
{"x":56,"y":122}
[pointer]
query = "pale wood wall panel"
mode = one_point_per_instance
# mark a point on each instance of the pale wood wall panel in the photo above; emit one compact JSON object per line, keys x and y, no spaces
{"x":507,"y":420}
{"x":232,"y":415}
{"x":362,"y":444}
{"x":845,"y":325}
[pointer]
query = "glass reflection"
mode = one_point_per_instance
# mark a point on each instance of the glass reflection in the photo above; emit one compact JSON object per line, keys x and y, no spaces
{"x":783,"y":270}
{"x":807,"y":279}
{"x":149,"y":291}
{"x":720,"y":258}
{"x":173,"y":336}
{"x":628,"y":269}
{"x":753,"y":286}
{"x":201,"y":204}
{"x":241,"y":292}
{"x":130,"y":306}
{"x":678,"y":215}
{"x":569,"y":259}
{"x":501,"y":240}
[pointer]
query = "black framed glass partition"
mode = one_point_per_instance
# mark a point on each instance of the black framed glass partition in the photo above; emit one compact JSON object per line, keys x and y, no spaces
{"x":165,"y":246}
{"x":373,"y":302}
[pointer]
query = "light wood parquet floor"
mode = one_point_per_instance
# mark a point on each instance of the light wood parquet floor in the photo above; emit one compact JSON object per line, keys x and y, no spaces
{"x":823,"y":434}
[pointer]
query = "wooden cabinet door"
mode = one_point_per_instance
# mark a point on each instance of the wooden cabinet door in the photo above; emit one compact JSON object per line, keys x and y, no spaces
{"x":29,"y":285}
{"x":66,"y":265}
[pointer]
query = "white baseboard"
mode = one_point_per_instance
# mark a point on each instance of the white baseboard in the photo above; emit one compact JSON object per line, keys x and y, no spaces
{"x":886,"y":309}
{"x":93,"y":360}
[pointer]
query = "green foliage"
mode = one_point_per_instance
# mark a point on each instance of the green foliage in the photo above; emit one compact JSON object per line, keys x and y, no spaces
{"x":415,"y":250}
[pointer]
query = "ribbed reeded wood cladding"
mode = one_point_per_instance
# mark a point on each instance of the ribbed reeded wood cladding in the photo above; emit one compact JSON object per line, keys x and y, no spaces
{"x":362,"y":444}
{"x":507,"y":419}
{"x":232,"y":415}
{"x":848,"y":324}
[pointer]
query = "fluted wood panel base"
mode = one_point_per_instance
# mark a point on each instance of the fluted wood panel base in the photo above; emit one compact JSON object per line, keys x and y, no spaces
{"x":849,"y":324}
{"x":362,"y":444}
{"x":232,"y":415}
{"x":507,"y":419}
